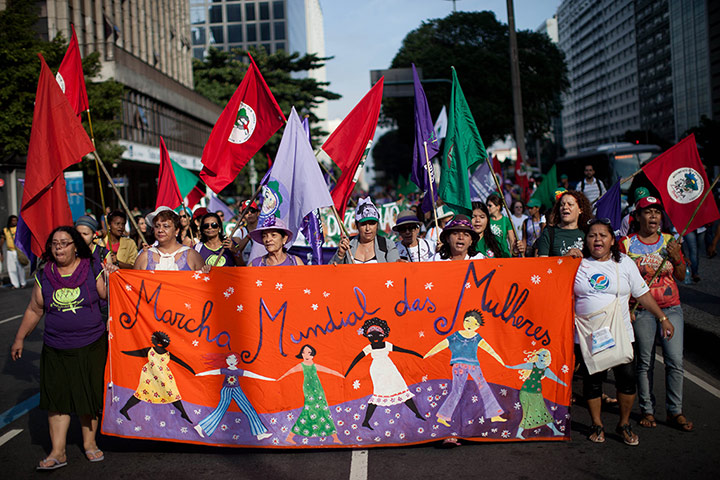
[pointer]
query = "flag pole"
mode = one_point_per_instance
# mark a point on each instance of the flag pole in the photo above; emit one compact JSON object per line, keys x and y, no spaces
{"x":117,"y":192}
{"x":97,"y":169}
{"x":239,"y":221}
{"x":502,"y":199}
{"x":432,"y":190}
{"x":343,"y":229}
{"x":684,"y":231}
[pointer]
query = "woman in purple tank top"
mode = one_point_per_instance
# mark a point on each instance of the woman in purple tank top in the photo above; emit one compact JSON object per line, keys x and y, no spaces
{"x":67,"y":291}
{"x":169,"y":254}
{"x":274,"y":235}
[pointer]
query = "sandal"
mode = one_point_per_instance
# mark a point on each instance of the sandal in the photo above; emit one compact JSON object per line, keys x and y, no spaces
{"x":54,"y":464}
{"x":648,"y":421}
{"x":625,"y":431}
{"x":597,"y":434}
{"x":607,"y":400}
{"x":450,"y":442}
{"x":680,"y":422}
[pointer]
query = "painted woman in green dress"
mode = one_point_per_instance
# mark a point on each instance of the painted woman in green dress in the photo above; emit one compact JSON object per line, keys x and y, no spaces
{"x":535,"y":412}
{"x":315,"y":419}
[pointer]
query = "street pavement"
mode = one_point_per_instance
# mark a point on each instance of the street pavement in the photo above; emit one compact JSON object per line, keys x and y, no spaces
{"x":663,"y":452}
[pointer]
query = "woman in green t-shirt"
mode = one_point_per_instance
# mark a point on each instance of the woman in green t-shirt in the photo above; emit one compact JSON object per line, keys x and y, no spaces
{"x":565,"y":233}
{"x":502,"y":227}
{"x":488,"y":244}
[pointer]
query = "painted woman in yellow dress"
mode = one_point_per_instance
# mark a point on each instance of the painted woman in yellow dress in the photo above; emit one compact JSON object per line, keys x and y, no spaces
{"x":157,"y":382}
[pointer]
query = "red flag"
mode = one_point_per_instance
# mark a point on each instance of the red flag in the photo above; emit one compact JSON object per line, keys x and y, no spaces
{"x":168,"y":190}
{"x":250,"y":118}
{"x":521,"y":178}
{"x":497,"y":168}
{"x":57,"y":140}
{"x":70,"y":77}
{"x":680,"y":178}
{"x":349,"y":144}
{"x":194,"y":197}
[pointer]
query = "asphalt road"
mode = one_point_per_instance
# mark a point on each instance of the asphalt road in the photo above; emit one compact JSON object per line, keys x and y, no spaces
{"x":663,"y":452}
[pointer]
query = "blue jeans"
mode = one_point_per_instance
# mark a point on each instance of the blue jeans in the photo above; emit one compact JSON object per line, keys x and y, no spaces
{"x":647,"y":331}
{"x":692,"y":242}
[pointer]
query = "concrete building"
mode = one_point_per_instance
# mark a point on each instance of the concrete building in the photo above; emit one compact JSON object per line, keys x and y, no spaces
{"x":598,"y":39}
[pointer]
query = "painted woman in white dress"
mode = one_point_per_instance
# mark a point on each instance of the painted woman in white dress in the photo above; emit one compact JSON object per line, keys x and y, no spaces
{"x":389,"y":387}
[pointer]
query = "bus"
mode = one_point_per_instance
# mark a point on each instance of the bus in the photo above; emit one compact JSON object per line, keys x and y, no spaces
{"x":611,"y":162}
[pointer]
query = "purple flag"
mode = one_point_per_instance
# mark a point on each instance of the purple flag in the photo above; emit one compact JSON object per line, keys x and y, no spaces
{"x":313,"y":231}
{"x":295,"y":186}
{"x":422,"y":173}
{"x":215,"y":204}
{"x":306,"y":127}
{"x":608,"y":206}
{"x":482,"y":183}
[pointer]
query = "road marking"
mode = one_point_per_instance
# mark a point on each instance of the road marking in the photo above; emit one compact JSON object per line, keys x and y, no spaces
{"x":9,"y":436}
{"x":697,"y":380}
{"x":9,"y":416}
{"x":10,"y":319}
{"x":359,"y":465}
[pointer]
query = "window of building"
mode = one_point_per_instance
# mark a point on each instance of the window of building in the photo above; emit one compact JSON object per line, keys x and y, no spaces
{"x":216,"y":35}
{"x":280,"y":46}
{"x":265,"y":31}
{"x":198,"y":53}
{"x":251,"y":33}
{"x":264,"y":10}
{"x":215,"y":14}
{"x":278,"y":10}
{"x":279,"y":30}
{"x":267,"y":47}
{"x":197,"y":15}
{"x":249,"y":12}
{"x":234,"y":33}
{"x":198,"y":35}
{"x":233,"y":13}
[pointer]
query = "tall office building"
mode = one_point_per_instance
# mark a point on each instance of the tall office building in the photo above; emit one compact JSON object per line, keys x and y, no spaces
{"x":145,"y":45}
{"x":598,"y":39}
{"x":290,"y":25}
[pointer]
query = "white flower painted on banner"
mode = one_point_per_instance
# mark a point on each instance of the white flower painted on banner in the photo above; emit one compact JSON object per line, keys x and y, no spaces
{"x":278,"y":286}
{"x":239,"y":308}
{"x":115,"y":399}
{"x":284,"y":429}
{"x":377,"y":439}
{"x":433,"y":404}
{"x":162,"y":424}
{"x":389,"y":284}
{"x":436,"y":426}
{"x":128,"y":287}
{"x":397,"y":415}
{"x":391,"y":421}
{"x":197,"y":411}
{"x":484,"y":434}
{"x":183,"y":430}
{"x":533,"y":343}
{"x":424,"y":378}
{"x":354,"y":426}
{"x":290,"y":416}
{"x":206,"y":278}
{"x":474,"y":398}
{"x":503,"y":392}
{"x":388,"y":433}
{"x":564,"y":369}
{"x":356,"y":416}
{"x":147,"y":418}
{"x":467,"y":285}
{"x":553,"y":408}
{"x":481,"y":420}
{"x":535,"y":279}
{"x":314,"y":306}
{"x":493,"y":430}
{"x":273,"y":421}
{"x":560,"y":260}
{"x":505,"y":434}
{"x":138,"y":428}
{"x":356,"y":386}
{"x":421,"y":430}
{"x":188,"y":306}
{"x":258,"y":283}
{"x":195,"y":343}
{"x":471,"y":421}
{"x":197,"y":275}
{"x":562,"y":428}
{"x":359,"y":438}
{"x":326,"y":294}
{"x":348,"y":409}
{"x":227,"y":294}
{"x":338,"y":409}
{"x":307,"y":291}
{"x":224,"y":427}
{"x":517,"y":406}
{"x":421,"y":334}
{"x":119,"y":421}
{"x":429,"y":286}
{"x":549,"y":270}
{"x":401,"y":436}
{"x":172,"y":412}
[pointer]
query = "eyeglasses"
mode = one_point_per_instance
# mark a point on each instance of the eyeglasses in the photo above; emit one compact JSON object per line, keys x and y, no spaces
{"x":183,"y":216}
{"x":406,"y":228}
{"x":205,"y":226}
{"x":604,"y":221}
{"x":253,"y":210}
{"x":61,"y":245}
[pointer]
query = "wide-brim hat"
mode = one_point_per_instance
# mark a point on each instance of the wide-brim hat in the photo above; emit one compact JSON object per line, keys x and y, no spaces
{"x":459,"y":223}
{"x":150,"y":217}
{"x":647,"y":202}
{"x":406,"y":217}
{"x":271,"y":223}
{"x":443,"y":212}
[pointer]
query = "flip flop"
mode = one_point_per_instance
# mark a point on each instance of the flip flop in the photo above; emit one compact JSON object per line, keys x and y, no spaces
{"x":54,"y":466}
{"x":597,"y":434}
{"x":648,"y":421}
{"x":92,"y":455}
{"x":680,"y":422}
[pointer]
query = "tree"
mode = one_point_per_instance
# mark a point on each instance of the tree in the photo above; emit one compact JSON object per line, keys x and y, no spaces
{"x":477,"y":45}
{"x":218,"y":75}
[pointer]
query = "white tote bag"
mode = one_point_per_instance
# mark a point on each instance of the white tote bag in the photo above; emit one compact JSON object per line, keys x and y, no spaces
{"x":604,"y":341}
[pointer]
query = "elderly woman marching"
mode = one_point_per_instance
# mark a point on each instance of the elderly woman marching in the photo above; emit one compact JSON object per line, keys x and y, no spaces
{"x":367,"y":246}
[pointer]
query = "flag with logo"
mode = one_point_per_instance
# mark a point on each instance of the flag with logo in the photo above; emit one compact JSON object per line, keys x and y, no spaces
{"x":679,"y":176}
{"x":57,"y":141}
{"x":250,"y":118}
{"x":463,"y":150}
{"x":348,"y":146}
{"x":426,"y":146}
{"x":482,"y":183}
{"x":70,"y":76}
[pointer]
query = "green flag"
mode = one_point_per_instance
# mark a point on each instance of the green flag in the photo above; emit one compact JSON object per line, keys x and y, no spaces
{"x":405,"y":186}
{"x":463,"y":150}
{"x":545,"y":193}
{"x":185,"y":179}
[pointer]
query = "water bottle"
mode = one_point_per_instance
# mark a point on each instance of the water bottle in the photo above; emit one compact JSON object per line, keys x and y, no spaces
{"x":688,"y":276}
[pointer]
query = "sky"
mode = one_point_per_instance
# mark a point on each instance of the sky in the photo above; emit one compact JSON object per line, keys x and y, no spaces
{"x":365,"y":35}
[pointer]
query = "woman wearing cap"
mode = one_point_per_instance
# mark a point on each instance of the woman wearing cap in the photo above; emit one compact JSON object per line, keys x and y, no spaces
{"x":366,"y":246}
{"x":566,"y":233}
{"x":532,"y":227}
{"x":488,"y":244}
{"x":647,"y":248}
{"x":123,"y":250}
{"x":86,"y":227}
{"x":458,"y":240}
{"x":410,"y":247}
{"x":274,"y":235}
{"x":168,"y":254}
{"x":213,"y":241}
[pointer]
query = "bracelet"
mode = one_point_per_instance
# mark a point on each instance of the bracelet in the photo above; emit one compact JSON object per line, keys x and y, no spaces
{"x":661,"y":319}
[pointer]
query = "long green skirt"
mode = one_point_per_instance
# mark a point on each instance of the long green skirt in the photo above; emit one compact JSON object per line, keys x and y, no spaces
{"x":72,"y":380}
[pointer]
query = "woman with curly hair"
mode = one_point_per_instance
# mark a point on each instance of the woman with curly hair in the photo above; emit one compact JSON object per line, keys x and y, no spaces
{"x":458,"y":241}
{"x":389,"y":387}
{"x":488,"y":245}
{"x":565,"y":233}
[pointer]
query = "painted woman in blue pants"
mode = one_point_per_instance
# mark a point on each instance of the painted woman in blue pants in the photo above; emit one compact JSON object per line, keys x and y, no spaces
{"x":231,"y":391}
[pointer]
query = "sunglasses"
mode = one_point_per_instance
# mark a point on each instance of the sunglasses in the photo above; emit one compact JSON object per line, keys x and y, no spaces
{"x":406,"y":228}
{"x":594,"y":221}
{"x":205,"y":226}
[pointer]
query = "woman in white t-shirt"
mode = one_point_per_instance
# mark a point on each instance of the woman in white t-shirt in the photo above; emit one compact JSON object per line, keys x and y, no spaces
{"x":605,"y":273}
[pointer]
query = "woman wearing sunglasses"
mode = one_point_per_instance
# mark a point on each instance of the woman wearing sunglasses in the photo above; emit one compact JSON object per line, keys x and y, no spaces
{"x":213,"y":240}
{"x":410,"y":247}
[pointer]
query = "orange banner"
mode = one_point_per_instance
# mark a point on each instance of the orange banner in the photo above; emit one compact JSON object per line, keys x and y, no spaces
{"x":343,"y":356}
